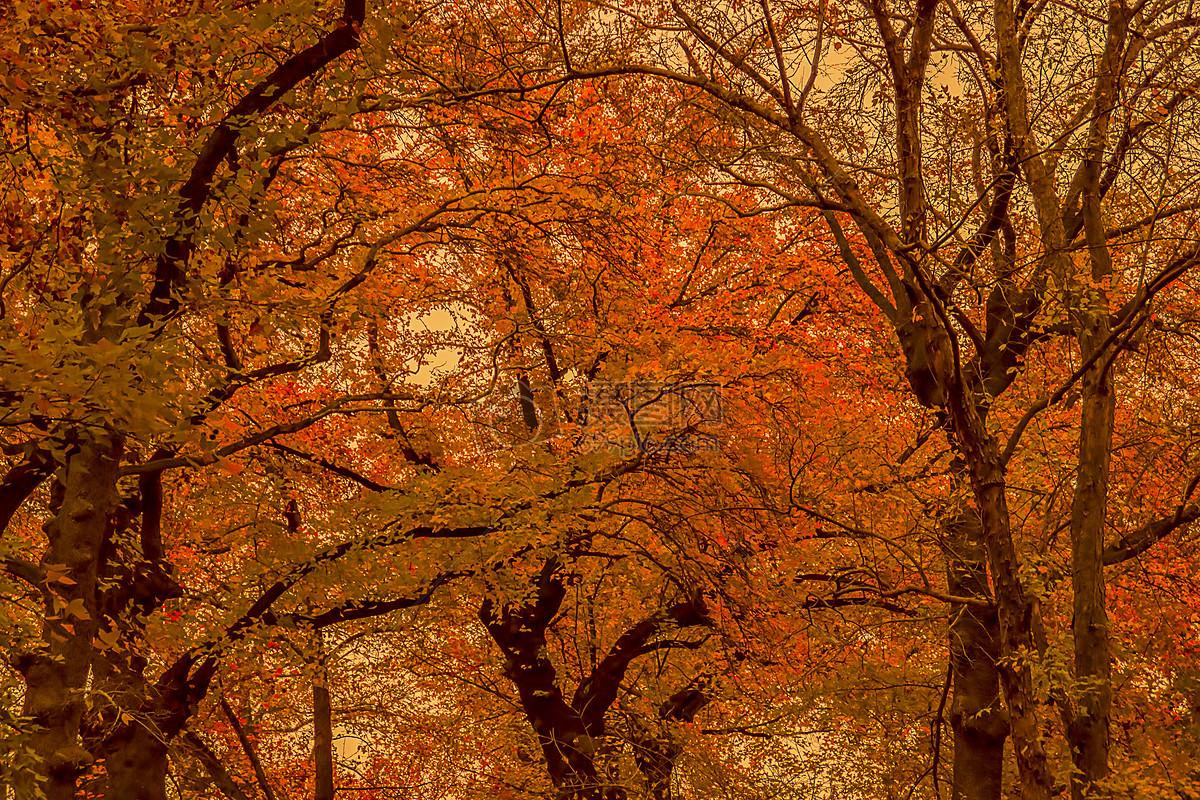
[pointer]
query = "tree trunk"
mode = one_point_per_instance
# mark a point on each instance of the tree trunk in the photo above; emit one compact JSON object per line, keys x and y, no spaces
{"x":520,"y":632}
{"x":977,"y":717}
{"x":136,"y":766}
{"x":84,"y":499}
{"x":1015,"y":615}
{"x":1014,"y":606}
{"x":1088,"y":731}
{"x":135,"y":747}
{"x":322,"y":727}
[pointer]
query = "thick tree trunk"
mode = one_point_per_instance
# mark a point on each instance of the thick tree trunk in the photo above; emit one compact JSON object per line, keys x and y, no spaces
{"x":1014,"y":606}
{"x":977,"y":717}
{"x":135,"y":748}
{"x":1088,"y":731}
{"x":520,"y":632}
{"x":1015,"y":614}
{"x":136,"y":767}
{"x":56,"y":675}
{"x":130,"y":722}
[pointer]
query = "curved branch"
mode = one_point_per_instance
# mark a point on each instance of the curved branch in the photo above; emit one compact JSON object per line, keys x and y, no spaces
{"x":169,"y":271}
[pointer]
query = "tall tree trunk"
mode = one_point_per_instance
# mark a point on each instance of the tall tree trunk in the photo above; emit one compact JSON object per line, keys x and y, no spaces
{"x":135,"y":766}
{"x":130,"y":722}
{"x":1014,"y":607}
{"x":322,"y":727}
{"x":1088,"y":731}
{"x":85,"y":498}
{"x":978,"y":719}
{"x":1015,"y":615}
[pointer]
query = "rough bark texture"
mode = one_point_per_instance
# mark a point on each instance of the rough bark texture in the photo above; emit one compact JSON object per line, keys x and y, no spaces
{"x":1088,"y":731}
{"x":1014,"y":607}
{"x":136,"y":766}
{"x":85,"y":496}
{"x":965,"y":409}
{"x":977,"y":717}
{"x":136,"y":747}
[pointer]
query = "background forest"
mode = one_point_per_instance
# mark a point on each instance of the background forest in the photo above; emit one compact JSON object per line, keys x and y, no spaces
{"x":464,"y":399}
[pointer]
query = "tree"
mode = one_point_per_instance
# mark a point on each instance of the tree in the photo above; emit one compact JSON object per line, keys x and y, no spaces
{"x":1068,"y":246}
{"x":178,"y":297}
{"x":673,"y":400}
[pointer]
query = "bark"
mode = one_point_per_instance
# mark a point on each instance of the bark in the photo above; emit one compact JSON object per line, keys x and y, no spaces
{"x":598,"y":691}
{"x":573,"y":735}
{"x":1133,"y":543}
{"x":123,"y":728}
{"x":136,"y":747}
{"x":136,"y":766}
{"x":260,"y":773}
{"x":1088,"y":730}
{"x":19,"y":482}
{"x":322,"y":728}
{"x":520,"y":632}
{"x":908,"y":67}
{"x":85,"y":502}
{"x":981,"y":454}
{"x":1015,"y":615}
{"x":977,"y":717}
{"x":56,"y":675}
{"x":941,"y":382}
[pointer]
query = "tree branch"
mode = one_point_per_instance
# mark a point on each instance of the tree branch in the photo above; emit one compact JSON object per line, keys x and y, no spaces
{"x":169,"y":272}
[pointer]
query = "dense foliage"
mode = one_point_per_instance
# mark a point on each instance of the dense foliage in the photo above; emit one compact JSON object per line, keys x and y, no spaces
{"x":588,"y":401}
